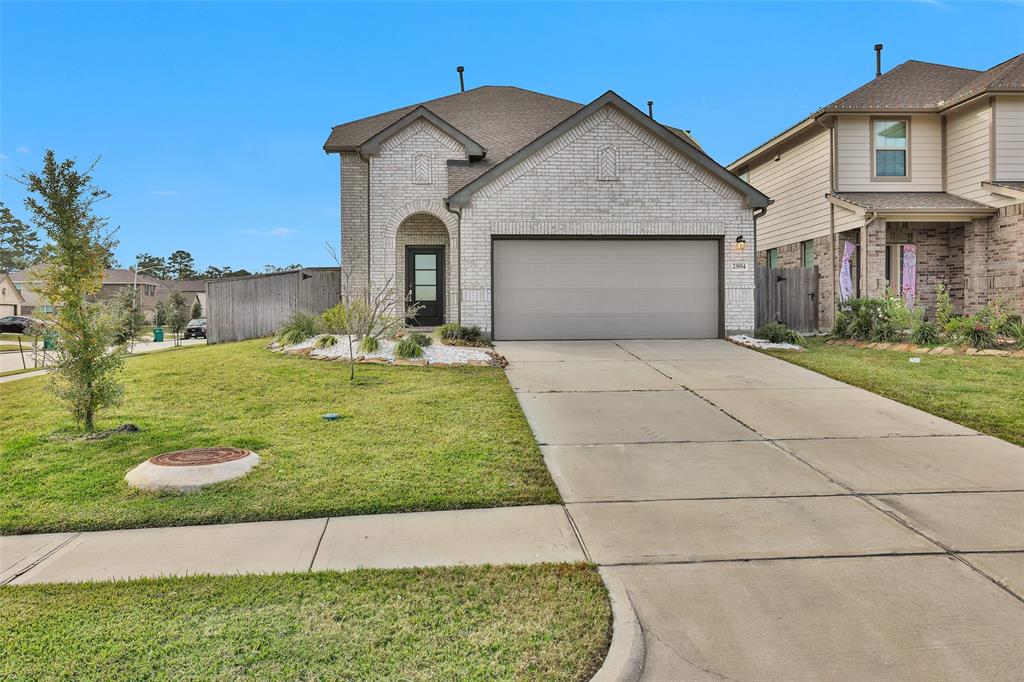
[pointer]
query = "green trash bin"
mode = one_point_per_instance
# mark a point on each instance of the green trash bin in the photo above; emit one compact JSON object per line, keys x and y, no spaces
{"x":49,"y":341}
{"x":158,"y":334}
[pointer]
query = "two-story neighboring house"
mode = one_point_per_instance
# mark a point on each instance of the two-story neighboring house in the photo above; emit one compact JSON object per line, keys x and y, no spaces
{"x":534,"y":217}
{"x":913,"y":179}
{"x":115,"y":282}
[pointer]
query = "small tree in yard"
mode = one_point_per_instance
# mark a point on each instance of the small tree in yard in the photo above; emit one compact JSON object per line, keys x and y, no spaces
{"x":87,"y":352}
{"x":130,"y":319}
{"x":177,"y":316}
{"x":367,"y":316}
{"x":197,"y":310}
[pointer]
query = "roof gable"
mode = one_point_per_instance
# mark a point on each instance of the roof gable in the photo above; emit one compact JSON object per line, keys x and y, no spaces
{"x":912,"y":85}
{"x":372,"y":145}
{"x":753,"y":197}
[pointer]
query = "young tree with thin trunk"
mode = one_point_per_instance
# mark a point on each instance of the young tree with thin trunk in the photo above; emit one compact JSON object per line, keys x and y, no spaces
{"x":60,"y":201}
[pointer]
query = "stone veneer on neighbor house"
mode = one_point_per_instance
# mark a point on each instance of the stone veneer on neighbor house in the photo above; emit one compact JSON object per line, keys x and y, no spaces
{"x":557,"y":190}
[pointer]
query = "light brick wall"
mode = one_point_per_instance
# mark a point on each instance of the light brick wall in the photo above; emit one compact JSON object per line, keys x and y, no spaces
{"x":423,"y":229}
{"x":353,"y":220}
{"x":1004,"y":257}
{"x":558,"y":191}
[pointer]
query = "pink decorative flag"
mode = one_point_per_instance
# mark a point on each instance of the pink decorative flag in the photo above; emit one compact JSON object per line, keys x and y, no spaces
{"x":909,"y":278}
{"x":845,"y":278}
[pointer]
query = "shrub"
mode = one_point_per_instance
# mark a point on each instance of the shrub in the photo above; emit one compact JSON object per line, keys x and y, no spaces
{"x":776,"y":332}
{"x":407,"y":348}
{"x":925,"y":333}
{"x":449,"y":332}
{"x":455,"y":333}
{"x":1015,"y":330}
{"x":299,"y":327}
{"x":368,"y":344}
{"x":885,"y":330}
{"x":842,"y":327}
{"x":943,"y":306}
{"x":325,"y":341}
{"x":420,"y":339}
{"x":979,"y":335}
{"x":956,"y":327}
{"x":1010,"y":324}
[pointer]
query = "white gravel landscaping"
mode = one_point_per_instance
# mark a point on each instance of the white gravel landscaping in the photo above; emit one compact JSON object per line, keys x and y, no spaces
{"x":751,"y":342}
{"x":435,"y":353}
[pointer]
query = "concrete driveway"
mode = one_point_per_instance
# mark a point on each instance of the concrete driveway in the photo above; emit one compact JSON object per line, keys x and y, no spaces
{"x":770,"y":523}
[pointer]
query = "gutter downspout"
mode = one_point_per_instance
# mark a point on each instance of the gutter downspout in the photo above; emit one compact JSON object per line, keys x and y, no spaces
{"x":458,"y":272}
{"x":369,"y":279}
{"x":832,"y":171}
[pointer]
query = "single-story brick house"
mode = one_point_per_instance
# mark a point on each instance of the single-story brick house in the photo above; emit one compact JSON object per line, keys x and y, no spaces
{"x":534,"y":217}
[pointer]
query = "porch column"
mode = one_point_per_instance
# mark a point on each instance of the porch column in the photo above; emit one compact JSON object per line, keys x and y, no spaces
{"x":976,"y":292}
{"x":872,"y":249}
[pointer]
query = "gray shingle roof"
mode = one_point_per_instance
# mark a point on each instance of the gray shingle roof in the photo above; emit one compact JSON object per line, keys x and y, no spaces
{"x":924,"y":201}
{"x":911,"y":85}
{"x":503,"y":119}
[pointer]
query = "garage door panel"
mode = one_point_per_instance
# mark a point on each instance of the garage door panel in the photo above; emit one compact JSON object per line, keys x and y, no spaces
{"x":593,"y":289}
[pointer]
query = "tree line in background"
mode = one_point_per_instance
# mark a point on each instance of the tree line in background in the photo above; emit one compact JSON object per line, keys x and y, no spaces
{"x":181,"y":265}
{"x":21,"y":247}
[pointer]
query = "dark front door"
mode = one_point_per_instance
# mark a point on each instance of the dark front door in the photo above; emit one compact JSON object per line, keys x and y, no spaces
{"x":424,"y":284}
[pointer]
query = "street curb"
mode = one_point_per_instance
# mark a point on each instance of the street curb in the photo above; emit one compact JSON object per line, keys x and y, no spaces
{"x":625,"y":659}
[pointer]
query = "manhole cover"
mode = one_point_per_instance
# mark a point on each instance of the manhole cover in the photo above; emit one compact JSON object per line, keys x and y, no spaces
{"x":199,"y":457}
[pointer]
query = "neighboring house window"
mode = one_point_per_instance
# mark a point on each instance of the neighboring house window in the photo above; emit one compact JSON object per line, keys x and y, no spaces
{"x":807,"y":253}
{"x":889,"y":140}
{"x":18,"y":285}
{"x":744,"y":175}
{"x":773,"y":258}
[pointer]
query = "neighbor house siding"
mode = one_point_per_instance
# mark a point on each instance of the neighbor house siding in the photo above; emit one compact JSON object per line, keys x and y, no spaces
{"x":854,"y":169}
{"x":968,"y":151}
{"x":1009,"y":138}
{"x":798,"y":183}
{"x":560,"y":190}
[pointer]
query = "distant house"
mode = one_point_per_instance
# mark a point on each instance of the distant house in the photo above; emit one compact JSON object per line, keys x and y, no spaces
{"x":11,"y":300}
{"x":915,"y":178}
{"x":115,"y":282}
{"x":194,"y":291}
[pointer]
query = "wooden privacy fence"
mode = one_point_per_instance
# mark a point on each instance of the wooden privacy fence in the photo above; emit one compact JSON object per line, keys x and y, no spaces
{"x":239,"y":308}
{"x":787,"y":295}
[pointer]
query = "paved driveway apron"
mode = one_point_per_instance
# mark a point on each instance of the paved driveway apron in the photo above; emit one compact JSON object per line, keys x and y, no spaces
{"x":770,"y":523}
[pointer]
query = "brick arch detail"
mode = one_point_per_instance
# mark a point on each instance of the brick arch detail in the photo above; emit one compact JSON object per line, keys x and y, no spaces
{"x":409,"y":209}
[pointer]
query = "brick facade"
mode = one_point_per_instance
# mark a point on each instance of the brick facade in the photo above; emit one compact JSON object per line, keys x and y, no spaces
{"x":607,"y":176}
{"x":979,"y":261}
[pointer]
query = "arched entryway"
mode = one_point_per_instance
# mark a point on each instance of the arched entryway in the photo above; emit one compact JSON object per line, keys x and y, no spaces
{"x":425,"y":270}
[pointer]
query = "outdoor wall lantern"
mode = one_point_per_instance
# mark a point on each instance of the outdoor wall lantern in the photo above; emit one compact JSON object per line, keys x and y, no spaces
{"x":741,"y":243}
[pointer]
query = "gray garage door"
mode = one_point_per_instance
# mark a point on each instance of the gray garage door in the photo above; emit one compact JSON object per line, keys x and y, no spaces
{"x":606,"y":289}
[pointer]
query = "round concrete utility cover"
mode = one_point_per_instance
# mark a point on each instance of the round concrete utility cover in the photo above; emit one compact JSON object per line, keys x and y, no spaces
{"x":185,"y":470}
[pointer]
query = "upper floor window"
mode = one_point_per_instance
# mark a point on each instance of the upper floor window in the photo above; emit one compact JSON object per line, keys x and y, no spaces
{"x":773,"y":257}
{"x":889,"y":140}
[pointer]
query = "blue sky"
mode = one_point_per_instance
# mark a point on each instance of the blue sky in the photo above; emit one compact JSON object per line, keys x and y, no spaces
{"x":210,"y":117}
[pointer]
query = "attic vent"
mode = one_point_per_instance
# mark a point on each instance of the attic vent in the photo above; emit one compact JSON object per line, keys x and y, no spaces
{"x":421,"y":169}
{"x":608,"y":163}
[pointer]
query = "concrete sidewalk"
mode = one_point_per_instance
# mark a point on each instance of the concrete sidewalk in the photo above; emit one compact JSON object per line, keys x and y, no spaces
{"x":507,"y":535}
{"x":769,"y":523}
{"x":13,"y":360}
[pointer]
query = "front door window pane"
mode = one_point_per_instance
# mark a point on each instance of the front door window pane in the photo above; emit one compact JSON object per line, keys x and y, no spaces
{"x":426,"y":277}
{"x":426,"y":293}
{"x":426,"y":261}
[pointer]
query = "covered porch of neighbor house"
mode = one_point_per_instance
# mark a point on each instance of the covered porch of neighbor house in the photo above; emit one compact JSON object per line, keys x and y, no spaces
{"x":906,"y":243}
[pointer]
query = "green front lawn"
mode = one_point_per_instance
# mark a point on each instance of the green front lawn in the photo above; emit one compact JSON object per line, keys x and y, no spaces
{"x":411,"y":438}
{"x":982,"y":393}
{"x":547,"y":622}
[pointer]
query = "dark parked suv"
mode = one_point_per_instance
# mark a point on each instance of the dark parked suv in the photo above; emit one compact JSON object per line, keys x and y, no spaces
{"x":196,"y":329}
{"x":20,"y":324}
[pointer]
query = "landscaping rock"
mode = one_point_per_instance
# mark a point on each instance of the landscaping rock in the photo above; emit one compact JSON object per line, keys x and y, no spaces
{"x":994,"y":352}
{"x":418,"y":362}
